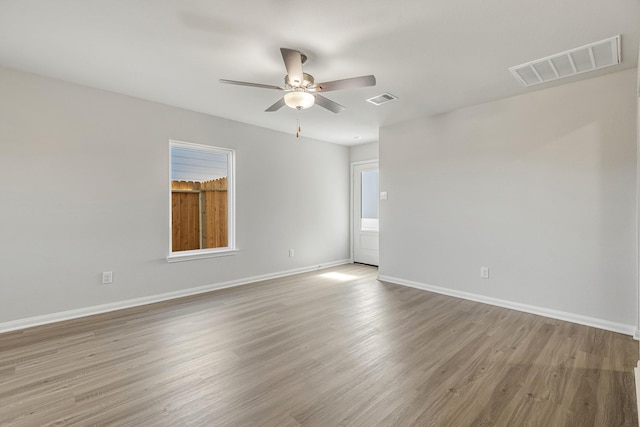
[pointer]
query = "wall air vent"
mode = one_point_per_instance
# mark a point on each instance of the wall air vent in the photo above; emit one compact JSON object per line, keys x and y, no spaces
{"x":382,"y":99}
{"x":591,"y":57}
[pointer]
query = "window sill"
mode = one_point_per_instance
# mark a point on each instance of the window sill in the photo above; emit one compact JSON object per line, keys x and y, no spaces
{"x":191,"y":255}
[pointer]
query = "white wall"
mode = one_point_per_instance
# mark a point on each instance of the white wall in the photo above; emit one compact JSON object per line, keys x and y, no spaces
{"x":85,"y":189}
{"x":539,"y":187}
{"x":637,"y":336}
{"x":362,"y":152}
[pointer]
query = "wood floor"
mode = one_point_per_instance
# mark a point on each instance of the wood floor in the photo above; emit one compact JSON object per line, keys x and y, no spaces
{"x":328,"y":348}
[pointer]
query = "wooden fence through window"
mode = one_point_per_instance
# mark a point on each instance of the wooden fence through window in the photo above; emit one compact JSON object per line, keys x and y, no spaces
{"x":199,"y":214}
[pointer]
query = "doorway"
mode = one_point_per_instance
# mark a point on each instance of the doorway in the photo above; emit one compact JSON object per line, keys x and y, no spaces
{"x":364,"y":203}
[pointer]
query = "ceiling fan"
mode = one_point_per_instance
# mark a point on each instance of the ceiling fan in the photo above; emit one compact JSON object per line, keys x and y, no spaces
{"x":302,"y":91}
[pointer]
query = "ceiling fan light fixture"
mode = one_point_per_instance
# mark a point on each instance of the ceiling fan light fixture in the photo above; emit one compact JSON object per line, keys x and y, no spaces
{"x":301,"y":90}
{"x":299,"y":99}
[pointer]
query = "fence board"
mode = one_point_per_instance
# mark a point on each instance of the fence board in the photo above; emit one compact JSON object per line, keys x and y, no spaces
{"x":185,"y":221}
{"x":216,"y":216}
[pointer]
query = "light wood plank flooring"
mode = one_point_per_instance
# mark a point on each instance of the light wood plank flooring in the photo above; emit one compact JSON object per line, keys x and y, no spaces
{"x":328,"y":348}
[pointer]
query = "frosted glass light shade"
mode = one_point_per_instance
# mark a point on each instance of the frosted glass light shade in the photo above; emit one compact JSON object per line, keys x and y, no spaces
{"x":299,"y":100}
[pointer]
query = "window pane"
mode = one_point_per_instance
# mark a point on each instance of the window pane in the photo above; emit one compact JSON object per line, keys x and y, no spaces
{"x":200,"y":197}
{"x":197,"y":165}
{"x":369,"y":201}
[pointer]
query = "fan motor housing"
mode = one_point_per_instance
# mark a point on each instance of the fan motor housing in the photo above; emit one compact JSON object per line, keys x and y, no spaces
{"x":307,"y":81}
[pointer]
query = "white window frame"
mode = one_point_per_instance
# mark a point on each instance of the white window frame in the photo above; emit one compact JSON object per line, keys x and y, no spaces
{"x":231,"y":208}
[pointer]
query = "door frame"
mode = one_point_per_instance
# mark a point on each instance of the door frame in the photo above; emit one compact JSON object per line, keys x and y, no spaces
{"x":352,"y":201}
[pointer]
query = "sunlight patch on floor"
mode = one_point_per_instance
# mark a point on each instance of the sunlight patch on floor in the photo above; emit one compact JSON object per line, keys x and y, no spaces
{"x":339,"y":276}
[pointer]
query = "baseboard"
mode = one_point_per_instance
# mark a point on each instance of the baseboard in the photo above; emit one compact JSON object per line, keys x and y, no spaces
{"x":105,"y":308}
{"x":541,"y":311}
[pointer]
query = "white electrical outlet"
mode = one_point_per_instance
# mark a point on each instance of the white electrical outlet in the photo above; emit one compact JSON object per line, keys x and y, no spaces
{"x":291,"y":253}
{"x":107,"y":277}
{"x":484,"y":272}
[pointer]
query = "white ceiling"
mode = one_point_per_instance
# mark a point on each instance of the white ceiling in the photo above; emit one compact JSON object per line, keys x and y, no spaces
{"x":435,"y":55}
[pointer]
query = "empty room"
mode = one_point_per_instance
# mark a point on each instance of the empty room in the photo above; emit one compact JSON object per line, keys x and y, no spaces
{"x":347,"y":213}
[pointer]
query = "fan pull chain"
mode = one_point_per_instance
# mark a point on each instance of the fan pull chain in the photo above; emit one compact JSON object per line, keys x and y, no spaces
{"x":299,"y":129}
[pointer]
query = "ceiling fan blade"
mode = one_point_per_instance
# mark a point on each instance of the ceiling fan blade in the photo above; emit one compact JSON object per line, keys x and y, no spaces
{"x":275,"y":107}
{"x":293,"y":63}
{"x":351,"y":83}
{"x":234,"y":82}
{"x":329,"y":104}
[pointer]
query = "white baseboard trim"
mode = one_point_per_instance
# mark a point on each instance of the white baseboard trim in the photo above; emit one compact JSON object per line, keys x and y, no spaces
{"x":30,"y":322}
{"x":541,"y":311}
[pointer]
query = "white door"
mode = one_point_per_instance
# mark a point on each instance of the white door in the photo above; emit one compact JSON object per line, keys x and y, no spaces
{"x":365,"y":212}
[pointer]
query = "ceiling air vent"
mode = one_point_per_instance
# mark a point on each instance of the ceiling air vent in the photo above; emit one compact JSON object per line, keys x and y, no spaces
{"x":382,"y":99}
{"x":591,"y":57}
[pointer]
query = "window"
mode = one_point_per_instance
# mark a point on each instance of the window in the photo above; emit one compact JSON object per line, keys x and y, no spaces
{"x":369,"y":201}
{"x":202,"y":201}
